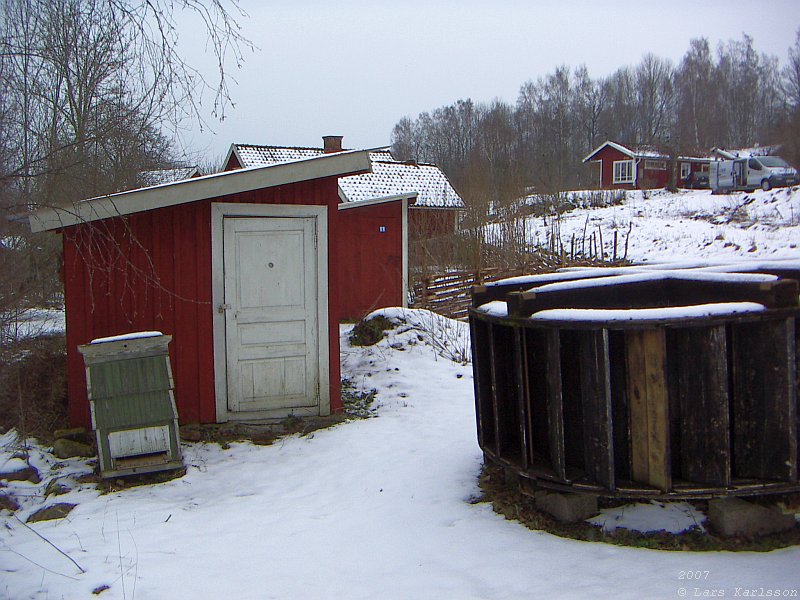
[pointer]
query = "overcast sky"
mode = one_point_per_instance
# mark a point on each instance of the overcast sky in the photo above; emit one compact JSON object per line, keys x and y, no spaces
{"x":354,"y":68}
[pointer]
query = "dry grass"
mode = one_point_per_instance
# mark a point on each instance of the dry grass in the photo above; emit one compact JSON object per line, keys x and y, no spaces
{"x":33,"y":386}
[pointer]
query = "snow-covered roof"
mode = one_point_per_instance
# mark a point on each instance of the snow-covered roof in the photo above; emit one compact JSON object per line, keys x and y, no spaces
{"x":745,"y":152}
{"x":251,"y":155}
{"x":159,"y":176}
{"x":647,"y":152}
{"x":396,"y":178}
{"x":389,"y":177}
{"x":499,"y":308}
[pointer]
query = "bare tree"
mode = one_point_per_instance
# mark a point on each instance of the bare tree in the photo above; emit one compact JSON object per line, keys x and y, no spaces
{"x":654,"y":100}
{"x":697,"y":106}
{"x":89,"y":89}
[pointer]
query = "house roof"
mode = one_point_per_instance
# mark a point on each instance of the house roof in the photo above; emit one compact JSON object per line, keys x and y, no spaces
{"x":199,"y":188}
{"x":252,"y":155}
{"x":388,"y":178}
{"x":745,"y":152}
{"x":159,"y":176}
{"x":395,"y":178}
{"x":641,"y":152}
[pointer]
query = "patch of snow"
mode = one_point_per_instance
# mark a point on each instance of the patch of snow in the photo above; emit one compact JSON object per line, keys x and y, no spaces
{"x":672,"y":517}
{"x":495,"y":308}
{"x":645,"y":276}
{"x":698,"y":311}
{"x":36,"y":323}
{"x":136,"y":335}
{"x":667,"y":226}
{"x":561,"y":275}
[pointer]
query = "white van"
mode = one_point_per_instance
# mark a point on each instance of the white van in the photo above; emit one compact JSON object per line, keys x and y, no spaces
{"x":748,"y":174}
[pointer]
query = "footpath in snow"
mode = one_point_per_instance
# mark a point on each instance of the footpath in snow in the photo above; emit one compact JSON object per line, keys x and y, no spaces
{"x":376,"y":508}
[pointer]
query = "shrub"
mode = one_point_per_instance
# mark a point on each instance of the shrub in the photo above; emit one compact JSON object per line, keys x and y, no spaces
{"x":33,"y":386}
{"x":368,"y":332}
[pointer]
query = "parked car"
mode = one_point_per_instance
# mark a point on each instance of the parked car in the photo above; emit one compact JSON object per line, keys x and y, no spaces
{"x":696,"y":181}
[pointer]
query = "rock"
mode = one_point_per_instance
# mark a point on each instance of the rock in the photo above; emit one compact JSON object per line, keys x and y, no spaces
{"x":567,"y":508}
{"x":56,"y":488}
{"x":64,"y":448}
{"x":48,"y":513}
{"x":734,"y":516}
{"x":191,"y":433}
{"x":76,"y":434}
{"x":8,"y":503}
{"x":27,"y":473}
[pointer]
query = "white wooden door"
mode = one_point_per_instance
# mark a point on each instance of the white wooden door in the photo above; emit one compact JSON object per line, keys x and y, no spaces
{"x":271,"y":315}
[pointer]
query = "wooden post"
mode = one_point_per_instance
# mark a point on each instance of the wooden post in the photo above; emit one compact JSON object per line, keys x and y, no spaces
{"x":764,"y":400}
{"x":523,"y":395}
{"x":555,"y":409}
{"x":596,"y":403}
{"x":646,"y":363}
{"x":701,"y":357}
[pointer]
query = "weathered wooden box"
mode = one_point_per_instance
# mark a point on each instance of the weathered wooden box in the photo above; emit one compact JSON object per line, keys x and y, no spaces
{"x":640,"y":384}
{"x":129,"y":380}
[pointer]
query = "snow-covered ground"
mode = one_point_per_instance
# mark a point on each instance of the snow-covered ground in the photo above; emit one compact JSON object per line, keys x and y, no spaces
{"x":689,"y":224}
{"x":35,"y":323}
{"x":384,"y":507}
{"x":376,"y":508}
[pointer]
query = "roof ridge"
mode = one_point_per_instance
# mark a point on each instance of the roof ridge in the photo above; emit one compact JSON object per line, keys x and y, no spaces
{"x":279,"y":147}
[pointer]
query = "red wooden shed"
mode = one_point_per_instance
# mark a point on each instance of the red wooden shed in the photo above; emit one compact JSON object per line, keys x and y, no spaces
{"x":373,"y":254}
{"x":239,"y":267}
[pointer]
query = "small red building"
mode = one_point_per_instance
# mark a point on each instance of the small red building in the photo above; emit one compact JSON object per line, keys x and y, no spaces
{"x":641,"y":167}
{"x":241,"y":268}
{"x":435,"y":212}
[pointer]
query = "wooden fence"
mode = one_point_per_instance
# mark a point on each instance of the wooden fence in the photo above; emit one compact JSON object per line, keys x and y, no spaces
{"x":448,"y":294}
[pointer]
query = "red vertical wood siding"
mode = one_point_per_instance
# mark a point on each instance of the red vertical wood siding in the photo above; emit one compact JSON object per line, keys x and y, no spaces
{"x":152,"y":271}
{"x":371,"y":261}
{"x":608,"y":156}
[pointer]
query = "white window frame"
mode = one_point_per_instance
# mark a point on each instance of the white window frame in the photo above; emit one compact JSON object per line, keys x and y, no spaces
{"x":624,"y":171}
{"x":655,"y":165}
{"x":686,"y":169}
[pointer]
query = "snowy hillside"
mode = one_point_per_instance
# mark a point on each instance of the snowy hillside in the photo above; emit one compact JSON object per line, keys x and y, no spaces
{"x":688,"y":224}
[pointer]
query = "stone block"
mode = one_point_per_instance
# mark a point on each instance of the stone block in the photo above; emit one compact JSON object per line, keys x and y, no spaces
{"x":191,"y":433}
{"x":56,"y":511}
{"x":734,"y":516}
{"x":76,"y":434}
{"x":567,"y":507}
{"x":8,"y":503}
{"x":28,"y":473}
{"x":65,"y":448}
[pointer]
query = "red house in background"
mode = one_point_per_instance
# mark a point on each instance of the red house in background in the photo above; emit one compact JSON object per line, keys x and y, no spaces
{"x":642,"y":167}
{"x":438,"y":204}
{"x":241,"y":268}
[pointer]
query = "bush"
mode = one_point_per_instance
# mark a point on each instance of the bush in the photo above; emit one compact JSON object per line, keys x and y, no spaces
{"x":368,"y":332}
{"x":33,"y":386}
